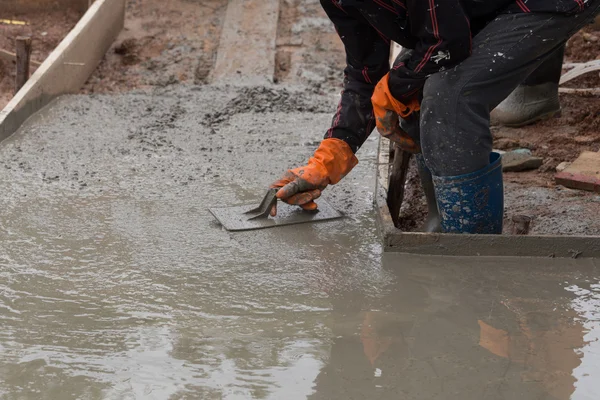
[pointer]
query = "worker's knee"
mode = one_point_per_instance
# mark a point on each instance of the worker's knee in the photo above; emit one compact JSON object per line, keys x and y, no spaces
{"x":455,"y":135}
{"x":437,"y":121}
{"x":441,"y":88}
{"x":438,"y":107}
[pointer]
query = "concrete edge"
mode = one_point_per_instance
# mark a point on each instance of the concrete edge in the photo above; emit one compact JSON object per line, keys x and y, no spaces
{"x":395,"y":240}
{"x":69,"y":66}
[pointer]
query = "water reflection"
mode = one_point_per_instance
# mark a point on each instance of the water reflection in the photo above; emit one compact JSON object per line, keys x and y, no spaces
{"x":111,"y":299}
{"x":468,"y":329}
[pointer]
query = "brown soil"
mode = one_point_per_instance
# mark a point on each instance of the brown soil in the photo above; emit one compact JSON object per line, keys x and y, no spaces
{"x":46,"y":30}
{"x":584,"y":45}
{"x":163,"y":43}
{"x":414,"y":207}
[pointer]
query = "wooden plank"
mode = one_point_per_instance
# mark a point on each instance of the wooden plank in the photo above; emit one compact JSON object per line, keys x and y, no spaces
{"x":247,"y":46}
{"x":397,"y":181}
{"x":579,"y":70}
{"x":583,"y":173}
{"x":395,"y":50}
{"x":68,"y":67}
{"x":23,"y":46}
{"x":588,"y":91}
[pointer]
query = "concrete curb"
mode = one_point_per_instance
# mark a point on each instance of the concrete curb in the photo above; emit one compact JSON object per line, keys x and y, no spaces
{"x":395,"y":240}
{"x":69,"y":66}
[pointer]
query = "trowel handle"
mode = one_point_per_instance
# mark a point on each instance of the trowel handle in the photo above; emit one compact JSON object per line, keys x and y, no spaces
{"x":264,"y":208}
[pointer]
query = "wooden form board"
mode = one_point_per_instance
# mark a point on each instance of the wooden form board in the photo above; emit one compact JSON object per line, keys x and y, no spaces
{"x":68,"y":67}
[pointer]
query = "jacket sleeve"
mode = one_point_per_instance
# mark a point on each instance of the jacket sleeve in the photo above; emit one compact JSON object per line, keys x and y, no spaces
{"x":367,"y":61}
{"x":443,"y":35}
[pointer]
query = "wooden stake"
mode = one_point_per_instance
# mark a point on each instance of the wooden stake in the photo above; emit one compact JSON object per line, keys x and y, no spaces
{"x":397,"y":181}
{"x":23,"y":45}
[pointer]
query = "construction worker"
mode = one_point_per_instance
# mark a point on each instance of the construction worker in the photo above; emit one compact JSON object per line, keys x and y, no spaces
{"x":464,"y":57}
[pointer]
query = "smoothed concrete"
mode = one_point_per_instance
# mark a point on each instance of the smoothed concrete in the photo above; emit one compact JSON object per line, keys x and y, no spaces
{"x":68,"y":67}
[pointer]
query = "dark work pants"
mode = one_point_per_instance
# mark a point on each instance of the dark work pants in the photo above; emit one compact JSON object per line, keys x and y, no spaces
{"x":549,"y":70}
{"x":455,"y":111}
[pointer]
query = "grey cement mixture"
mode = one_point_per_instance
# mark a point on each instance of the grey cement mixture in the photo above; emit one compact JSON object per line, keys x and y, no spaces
{"x":117,"y":283}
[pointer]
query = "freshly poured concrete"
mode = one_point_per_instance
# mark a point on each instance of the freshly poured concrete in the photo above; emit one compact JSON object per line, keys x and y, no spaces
{"x":116,"y":283}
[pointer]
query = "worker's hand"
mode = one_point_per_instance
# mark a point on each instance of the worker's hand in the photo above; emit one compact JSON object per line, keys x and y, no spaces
{"x":387,"y":112}
{"x":301,"y":186}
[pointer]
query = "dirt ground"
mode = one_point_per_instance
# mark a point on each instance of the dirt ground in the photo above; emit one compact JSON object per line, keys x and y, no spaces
{"x":46,"y":30}
{"x":149,"y":52}
{"x":163,"y":43}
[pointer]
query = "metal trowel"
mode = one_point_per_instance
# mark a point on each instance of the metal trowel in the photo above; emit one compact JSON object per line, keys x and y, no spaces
{"x":250,"y":217}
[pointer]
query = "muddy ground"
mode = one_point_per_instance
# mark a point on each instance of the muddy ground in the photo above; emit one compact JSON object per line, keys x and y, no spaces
{"x":163,"y":43}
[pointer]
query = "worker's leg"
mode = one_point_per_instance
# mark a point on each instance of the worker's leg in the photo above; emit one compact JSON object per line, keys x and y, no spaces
{"x":536,"y":98}
{"x":548,"y":71}
{"x":455,"y":112}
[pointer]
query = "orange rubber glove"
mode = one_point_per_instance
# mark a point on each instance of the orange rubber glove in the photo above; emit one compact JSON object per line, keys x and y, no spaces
{"x":387,"y":110}
{"x":329,"y":164}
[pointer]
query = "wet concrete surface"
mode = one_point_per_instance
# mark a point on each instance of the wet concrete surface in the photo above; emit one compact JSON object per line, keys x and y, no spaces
{"x":117,"y":283}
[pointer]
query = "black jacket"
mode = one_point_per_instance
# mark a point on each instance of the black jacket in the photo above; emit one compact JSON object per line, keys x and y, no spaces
{"x":439,"y":33}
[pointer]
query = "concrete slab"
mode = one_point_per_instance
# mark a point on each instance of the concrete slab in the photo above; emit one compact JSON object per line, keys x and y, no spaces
{"x":247,"y":47}
{"x":395,"y":240}
{"x":68,"y":67}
